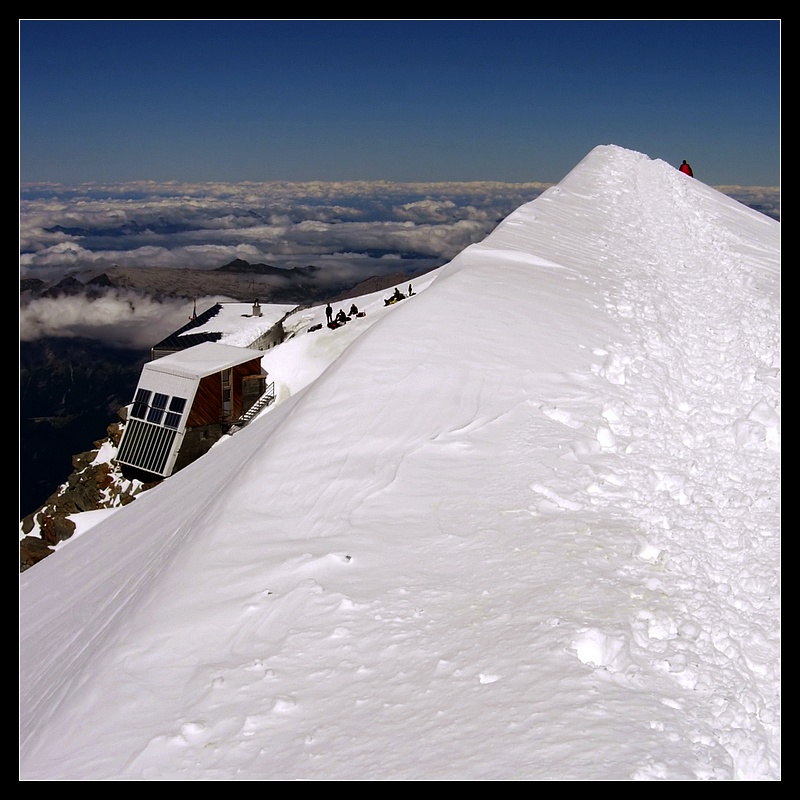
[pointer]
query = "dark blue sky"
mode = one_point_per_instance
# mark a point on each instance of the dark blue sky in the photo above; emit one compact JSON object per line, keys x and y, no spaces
{"x":404,"y":100}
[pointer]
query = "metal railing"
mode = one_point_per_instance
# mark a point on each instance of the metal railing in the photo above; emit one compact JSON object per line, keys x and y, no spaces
{"x":266,"y":398}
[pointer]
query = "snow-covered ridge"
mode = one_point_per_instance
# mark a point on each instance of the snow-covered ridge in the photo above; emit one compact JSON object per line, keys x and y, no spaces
{"x":526,"y":525}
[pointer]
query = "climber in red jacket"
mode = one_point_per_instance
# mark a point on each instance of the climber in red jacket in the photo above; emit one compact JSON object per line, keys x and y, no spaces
{"x":686,"y":169}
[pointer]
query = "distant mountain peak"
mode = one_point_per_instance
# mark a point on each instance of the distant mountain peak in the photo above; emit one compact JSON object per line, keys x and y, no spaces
{"x":240,"y":265}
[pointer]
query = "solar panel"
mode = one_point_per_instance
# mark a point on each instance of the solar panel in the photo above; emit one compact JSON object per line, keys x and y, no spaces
{"x":146,"y":446}
{"x":141,"y":403}
{"x":150,"y":435}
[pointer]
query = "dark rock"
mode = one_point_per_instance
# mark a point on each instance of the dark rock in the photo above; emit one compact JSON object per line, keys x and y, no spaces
{"x":68,"y":286}
{"x":100,"y":281}
{"x":31,"y":551}
{"x":55,"y":528}
{"x":33,"y":285}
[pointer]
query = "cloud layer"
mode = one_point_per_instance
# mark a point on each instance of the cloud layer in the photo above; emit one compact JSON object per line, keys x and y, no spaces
{"x":69,"y":229}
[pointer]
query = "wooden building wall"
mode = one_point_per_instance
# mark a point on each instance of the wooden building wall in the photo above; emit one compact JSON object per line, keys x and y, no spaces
{"x":207,"y":406}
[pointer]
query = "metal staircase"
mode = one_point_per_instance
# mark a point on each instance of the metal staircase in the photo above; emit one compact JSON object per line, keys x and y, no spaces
{"x":266,"y":398}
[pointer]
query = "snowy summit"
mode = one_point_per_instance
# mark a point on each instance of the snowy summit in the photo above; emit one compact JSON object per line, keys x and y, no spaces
{"x":521,"y":525}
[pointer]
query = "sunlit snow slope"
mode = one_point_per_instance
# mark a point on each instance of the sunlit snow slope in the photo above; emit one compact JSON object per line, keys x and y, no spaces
{"x":526,"y":526}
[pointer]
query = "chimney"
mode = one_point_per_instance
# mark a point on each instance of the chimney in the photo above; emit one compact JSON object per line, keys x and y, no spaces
{"x":256,"y":309}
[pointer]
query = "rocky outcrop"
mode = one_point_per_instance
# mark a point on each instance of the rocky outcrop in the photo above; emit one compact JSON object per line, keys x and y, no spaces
{"x":70,"y":391}
{"x":95,"y":483}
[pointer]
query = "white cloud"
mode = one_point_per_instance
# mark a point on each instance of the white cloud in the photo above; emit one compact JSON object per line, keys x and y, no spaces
{"x":123,"y":319}
{"x":155,"y":224}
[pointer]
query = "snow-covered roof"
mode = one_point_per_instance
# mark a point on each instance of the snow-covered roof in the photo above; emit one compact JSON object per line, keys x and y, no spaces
{"x":201,"y":360}
{"x":231,"y":323}
{"x":238,"y":325}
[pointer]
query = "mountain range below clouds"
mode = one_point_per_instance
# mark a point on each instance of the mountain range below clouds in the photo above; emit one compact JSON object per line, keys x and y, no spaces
{"x":238,"y":280}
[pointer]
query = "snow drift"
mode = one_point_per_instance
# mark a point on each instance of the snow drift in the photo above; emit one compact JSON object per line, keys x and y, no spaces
{"x":524,"y":525}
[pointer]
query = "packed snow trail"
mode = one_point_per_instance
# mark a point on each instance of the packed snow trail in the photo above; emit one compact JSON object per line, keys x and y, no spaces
{"x":703,"y":386}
